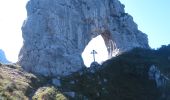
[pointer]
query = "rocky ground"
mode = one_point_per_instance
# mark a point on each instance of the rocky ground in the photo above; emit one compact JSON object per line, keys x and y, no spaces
{"x":125,"y":77}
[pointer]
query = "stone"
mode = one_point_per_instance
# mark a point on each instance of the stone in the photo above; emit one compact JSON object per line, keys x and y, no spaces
{"x":56,"y":33}
{"x":94,"y":64}
{"x":152,"y":71}
{"x":71,"y":94}
{"x":98,"y":94}
{"x":159,"y":78}
{"x":56,"y":82}
{"x":105,"y":80}
{"x":72,"y":82}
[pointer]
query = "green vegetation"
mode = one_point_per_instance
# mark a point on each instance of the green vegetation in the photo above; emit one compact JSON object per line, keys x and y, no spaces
{"x":48,"y":93}
{"x":13,"y":86}
{"x":16,"y":84}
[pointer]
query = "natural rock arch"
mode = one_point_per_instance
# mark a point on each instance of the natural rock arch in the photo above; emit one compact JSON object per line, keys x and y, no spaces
{"x":57,"y":31}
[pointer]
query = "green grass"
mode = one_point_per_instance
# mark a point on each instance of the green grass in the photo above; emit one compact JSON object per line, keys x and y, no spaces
{"x":15,"y":84}
{"x":48,"y":93}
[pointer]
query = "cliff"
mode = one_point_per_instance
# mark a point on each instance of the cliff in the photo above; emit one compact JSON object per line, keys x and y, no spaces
{"x":56,"y":32}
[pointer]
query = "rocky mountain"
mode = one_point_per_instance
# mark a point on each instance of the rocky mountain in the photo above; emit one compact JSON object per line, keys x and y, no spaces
{"x":140,"y":74}
{"x":3,"y":57}
{"x":57,"y":31}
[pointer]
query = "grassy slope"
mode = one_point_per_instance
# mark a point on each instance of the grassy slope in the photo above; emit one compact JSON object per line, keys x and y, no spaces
{"x":16,"y":84}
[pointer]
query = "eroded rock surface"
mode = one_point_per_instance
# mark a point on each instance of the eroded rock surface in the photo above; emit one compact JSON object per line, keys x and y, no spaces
{"x":57,"y":31}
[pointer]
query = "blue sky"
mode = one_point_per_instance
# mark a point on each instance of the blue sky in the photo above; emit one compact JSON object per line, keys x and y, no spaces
{"x":152,"y":17}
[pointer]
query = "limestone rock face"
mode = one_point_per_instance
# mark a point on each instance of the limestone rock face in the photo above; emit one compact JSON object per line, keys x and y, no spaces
{"x":155,"y":74}
{"x":57,"y":31}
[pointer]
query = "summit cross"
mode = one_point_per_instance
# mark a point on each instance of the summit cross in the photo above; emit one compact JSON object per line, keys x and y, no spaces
{"x":93,"y":52}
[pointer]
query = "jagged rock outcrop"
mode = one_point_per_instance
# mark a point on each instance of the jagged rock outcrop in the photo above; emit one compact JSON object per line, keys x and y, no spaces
{"x":3,"y":57}
{"x":57,"y":31}
{"x":159,"y":78}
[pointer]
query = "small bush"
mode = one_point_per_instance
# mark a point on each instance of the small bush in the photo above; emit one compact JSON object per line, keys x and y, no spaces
{"x":48,"y":93}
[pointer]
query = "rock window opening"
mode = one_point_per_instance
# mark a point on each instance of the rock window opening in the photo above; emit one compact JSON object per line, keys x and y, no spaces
{"x":99,"y":46}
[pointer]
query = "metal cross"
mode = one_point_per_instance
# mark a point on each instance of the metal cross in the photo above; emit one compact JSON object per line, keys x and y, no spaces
{"x":93,"y":52}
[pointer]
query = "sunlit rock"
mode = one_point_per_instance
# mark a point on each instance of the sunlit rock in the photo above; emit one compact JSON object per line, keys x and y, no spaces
{"x":57,"y":31}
